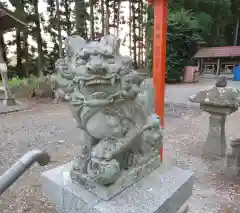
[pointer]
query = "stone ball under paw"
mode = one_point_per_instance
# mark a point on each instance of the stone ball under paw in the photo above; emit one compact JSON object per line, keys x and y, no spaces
{"x":103,"y":172}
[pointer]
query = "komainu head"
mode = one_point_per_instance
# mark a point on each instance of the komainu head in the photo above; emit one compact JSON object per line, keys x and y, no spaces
{"x":96,"y":69}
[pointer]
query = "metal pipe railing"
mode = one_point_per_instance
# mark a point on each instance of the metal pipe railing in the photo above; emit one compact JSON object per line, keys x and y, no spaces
{"x":23,"y":164}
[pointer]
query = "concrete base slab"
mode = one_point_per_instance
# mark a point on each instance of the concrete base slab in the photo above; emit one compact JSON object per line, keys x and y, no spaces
{"x":14,"y":108}
{"x":164,"y":190}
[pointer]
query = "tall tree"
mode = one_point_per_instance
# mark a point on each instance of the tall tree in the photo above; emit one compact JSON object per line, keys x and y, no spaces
{"x":134,"y":33}
{"x":38,"y":36}
{"x":59,"y":29}
{"x":67,"y":14}
{"x":116,"y":5}
{"x":91,"y":4}
{"x":102,"y":15}
{"x":19,"y":49}
{"x":81,"y":25}
{"x":107,"y":16}
{"x":19,"y":10}
{"x":236,"y":34}
{"x":130,"y":28}
{"x":235,"y":9}
{"x":25,"y":52}
{"x":3,"y":48}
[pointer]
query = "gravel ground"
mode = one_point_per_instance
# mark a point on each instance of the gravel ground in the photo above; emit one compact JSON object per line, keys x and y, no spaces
{"x":214,"y":191}
{"x":48,"y":127}
{"x":51,"y":128}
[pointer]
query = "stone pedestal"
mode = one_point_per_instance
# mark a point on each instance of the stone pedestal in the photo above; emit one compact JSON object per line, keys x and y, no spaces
{"x":164,"y":190}
{"x":216,"y":141}
{"x":232,"y":157}
{"x":215,"y":145}
{"x":8,"y":99}
{"x":9,"y":102}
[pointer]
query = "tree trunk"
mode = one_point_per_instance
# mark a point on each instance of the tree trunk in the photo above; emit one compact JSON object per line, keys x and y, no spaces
{"x":134,"y":35}
{"x":142,"y":35}
{"x":81,"y":28}
{"x":236,"y":32}
{"x":38,"y":38}
{"x":148,"y":44}
{"x":21,"y":41}
{"x":25,"y":52}
{"x":114,"y":24}
{"x":147,"y":51}
{"x":3,"y":48}
{"x":19,"y":49}
{"x":59,"y":29}
{"x":102,"y":16}
{"x":218,"y":31}
{"x":118,"y":16}
{"x":107,"y":28}
{"x":91,"y":19}
{"x":67,"y":15}
{"x":130,"y":28}
{"x":139,"y":34}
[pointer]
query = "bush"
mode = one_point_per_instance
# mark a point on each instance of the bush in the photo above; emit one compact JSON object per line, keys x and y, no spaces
{"x":182,"y":37}
{"x":22,"y":83}
{"x":32,"y":86}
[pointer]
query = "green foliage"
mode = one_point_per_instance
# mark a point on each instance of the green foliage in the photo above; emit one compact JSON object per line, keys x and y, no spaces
{"x":182,"y":36}
{"x":22,"y":83}
{"x":211,"y":21}
{"x":214,"y":21}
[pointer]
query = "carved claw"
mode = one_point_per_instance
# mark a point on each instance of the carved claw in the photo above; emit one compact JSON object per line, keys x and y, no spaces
{"x":106,"y":149}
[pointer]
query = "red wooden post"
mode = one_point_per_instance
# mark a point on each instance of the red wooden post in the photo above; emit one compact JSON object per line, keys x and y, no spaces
{"x":159,"y":56}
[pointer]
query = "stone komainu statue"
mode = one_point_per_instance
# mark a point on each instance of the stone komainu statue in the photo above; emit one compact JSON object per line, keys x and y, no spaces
{"x":120,"y":136}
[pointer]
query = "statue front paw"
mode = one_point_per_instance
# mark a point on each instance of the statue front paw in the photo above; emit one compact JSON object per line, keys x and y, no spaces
{"x":152,"y":137}
{"x":106,"y":149}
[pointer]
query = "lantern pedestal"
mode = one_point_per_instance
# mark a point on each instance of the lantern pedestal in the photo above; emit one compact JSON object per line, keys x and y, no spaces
{"x":219,"y":101}
{"x":9,"y":102}
{"x":215,"y":145}
{"x":8,"y":99}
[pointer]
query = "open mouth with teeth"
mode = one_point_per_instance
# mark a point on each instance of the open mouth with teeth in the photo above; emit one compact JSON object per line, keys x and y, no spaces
{"x":96,"y":81}
{"x":98,"y":87}
{"x":99,"y":81}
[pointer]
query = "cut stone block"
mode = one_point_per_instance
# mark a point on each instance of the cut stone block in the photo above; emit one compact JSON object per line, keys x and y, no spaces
{"x":9,"y":102}
{"x":232,"y":157}
{"x":215,"y":145}
{"x":126,"y":179}
{"x":164,"y":190}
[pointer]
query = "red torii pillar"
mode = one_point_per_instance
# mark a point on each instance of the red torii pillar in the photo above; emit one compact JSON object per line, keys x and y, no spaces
{"x":159,"y":56}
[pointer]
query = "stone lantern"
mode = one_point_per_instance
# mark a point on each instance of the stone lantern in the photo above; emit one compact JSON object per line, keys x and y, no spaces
{"x":219,"y":102}
{"x":7,"y":21}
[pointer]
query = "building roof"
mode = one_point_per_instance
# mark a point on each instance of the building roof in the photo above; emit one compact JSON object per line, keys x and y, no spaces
{"x":8,"y":19}
{"x":218,"y":52}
